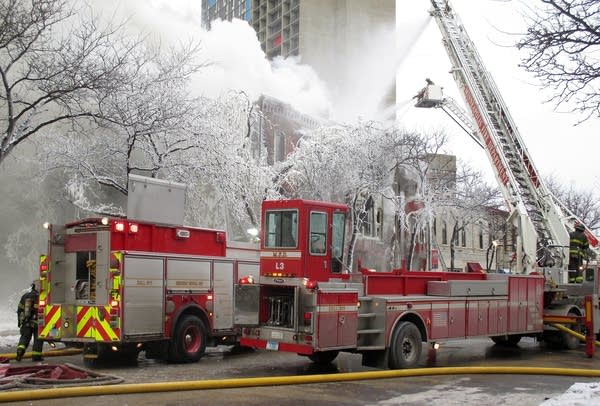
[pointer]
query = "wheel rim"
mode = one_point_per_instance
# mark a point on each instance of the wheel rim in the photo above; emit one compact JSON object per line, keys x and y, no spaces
{"x":408,"y":348}
{"x":192,"y":339}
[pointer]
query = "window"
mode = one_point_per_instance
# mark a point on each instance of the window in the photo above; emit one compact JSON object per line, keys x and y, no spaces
{"x":366,"y":218}
{"x":463,"y":237}
{"x":318,"y":233}
{"x":378,"y":223}
{"x":480,"y":238}
{"x":279,"y":146}
{"x":281,"y":229}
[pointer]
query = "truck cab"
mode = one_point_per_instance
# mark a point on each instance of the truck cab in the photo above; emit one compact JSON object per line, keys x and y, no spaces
{"x":304,"y":286}
{"x":302,"y":239}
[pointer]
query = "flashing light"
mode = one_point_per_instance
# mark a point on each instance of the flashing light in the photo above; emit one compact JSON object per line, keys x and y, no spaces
{"x":46,"y":225}
{"x":310,"y":284}
{"x":44,"y":265}
{"x":139,"y":345}
{"x":133,"y":228}
{"x":252,"y":232}
{"x":209,"y":297}
{"x":114,"y":348}
{"x":119,"y":226}
{"x":246,"y":280}
{"x":114,"y":303}
{"x":52,"y":344}
{"x":42,"y":303}
{"x":436,"y":346}
{"x":104,"y":221}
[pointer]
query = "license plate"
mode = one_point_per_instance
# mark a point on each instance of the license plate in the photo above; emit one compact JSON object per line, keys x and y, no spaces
{"x":272,"y":345}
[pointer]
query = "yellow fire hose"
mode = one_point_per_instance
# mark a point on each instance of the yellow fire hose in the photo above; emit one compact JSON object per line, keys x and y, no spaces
{"x":68,"y":392}
{"x":122,"y":389}
{"x":572,"y":332}
{"x":51,"y":353}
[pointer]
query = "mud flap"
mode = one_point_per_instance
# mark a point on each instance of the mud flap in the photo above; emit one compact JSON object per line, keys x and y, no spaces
{"x":375,"y":359}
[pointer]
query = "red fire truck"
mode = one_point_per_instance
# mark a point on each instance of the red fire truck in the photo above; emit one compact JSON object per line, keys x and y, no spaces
{"x":118,"y":286}
{"x":309,"y":304}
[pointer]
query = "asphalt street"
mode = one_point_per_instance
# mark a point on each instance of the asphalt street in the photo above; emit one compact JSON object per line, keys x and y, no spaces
{"x":484,"y":389}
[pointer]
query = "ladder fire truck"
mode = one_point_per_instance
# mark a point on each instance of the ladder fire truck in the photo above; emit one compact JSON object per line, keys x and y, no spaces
{"x":541,"y":221}
{"x":118,"y":286}
{"x":309,"y":304}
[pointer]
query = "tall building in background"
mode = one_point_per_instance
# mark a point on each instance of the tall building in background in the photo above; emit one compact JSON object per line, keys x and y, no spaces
{"x":328,"y":35}
{"x":225,"y":10}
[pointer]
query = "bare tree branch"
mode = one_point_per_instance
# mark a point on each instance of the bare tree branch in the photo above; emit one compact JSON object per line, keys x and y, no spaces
{"x":562,"y":41}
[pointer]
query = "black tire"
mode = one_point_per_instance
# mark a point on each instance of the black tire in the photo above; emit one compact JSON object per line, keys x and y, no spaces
{"x":507,"y":341}
{"x":406,"y":346}
{"x":323,"y":357}
{"x":189,"y":341}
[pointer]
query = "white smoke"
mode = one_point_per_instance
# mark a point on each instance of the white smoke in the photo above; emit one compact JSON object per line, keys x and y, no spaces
{"x":232,"y":50}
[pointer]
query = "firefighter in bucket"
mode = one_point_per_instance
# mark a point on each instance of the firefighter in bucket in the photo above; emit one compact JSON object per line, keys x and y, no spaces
{"x":27,"y":319}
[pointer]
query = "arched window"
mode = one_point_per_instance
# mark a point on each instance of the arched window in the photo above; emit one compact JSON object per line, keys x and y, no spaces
{"x":463,"y":237}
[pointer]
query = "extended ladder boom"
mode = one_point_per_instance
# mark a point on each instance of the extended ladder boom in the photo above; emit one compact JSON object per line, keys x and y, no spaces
{"x":540,"y":222}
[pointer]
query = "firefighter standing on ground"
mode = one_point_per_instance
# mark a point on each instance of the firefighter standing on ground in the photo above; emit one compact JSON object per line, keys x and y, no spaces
{"x":578,"y":245}
{"x":27,"y":317}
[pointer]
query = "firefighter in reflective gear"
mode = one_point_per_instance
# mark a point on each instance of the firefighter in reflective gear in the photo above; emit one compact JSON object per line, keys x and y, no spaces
{"x":27,"y":317}
{"x":578,"y":245}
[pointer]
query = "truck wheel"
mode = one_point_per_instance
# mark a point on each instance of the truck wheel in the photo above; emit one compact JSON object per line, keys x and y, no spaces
{"x":323,"y":357}
{"x":405,"y":347}
{"x":189,"y":341}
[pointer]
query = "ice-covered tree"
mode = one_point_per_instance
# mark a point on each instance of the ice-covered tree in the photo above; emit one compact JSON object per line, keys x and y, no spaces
{"x":200,"y":142}
{"x":350,"y":164}
{"x":57,"y":65}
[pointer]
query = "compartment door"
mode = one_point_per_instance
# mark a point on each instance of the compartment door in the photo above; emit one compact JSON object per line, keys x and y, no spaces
{"x":223,"y":295}
{"x":143,"y":295}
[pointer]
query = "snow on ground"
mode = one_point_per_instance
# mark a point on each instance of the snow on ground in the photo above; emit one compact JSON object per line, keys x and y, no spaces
{"x":579,"y":394}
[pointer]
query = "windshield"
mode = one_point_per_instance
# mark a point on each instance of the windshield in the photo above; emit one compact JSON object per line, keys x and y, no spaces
{"x":281,"y":229}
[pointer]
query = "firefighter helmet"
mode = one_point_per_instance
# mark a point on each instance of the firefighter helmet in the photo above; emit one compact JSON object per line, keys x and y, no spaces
{"x":579,"y":227}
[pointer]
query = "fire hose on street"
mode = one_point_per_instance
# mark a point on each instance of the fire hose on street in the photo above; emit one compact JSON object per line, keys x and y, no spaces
{"x":51,"y":353}
{"x":115,"y":387}
{"x":121,"y":389}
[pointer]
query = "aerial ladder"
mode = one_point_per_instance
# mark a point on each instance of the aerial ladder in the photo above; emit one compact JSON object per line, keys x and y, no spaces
{"x":542,"y":227}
